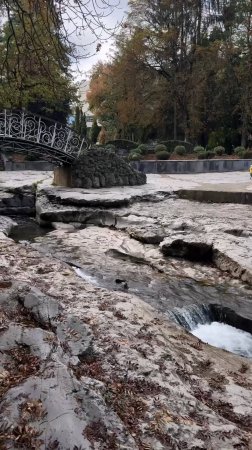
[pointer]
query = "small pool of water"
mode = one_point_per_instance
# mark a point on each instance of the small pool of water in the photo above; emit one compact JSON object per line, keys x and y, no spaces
{"x":226,"y":337}
{"x":27,"y":230}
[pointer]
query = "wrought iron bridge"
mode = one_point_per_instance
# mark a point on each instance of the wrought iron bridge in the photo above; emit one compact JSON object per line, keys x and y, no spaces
{"x":25,"y":132}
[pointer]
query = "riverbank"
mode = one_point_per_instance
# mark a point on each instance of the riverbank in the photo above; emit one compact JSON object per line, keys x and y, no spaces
{"x":90,"y":357}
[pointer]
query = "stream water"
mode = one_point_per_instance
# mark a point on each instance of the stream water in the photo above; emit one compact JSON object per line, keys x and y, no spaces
{"x":225,"y":336}
{"x":183,"y":300}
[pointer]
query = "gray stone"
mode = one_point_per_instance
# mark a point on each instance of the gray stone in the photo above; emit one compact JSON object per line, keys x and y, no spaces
{"x":44,"y":309}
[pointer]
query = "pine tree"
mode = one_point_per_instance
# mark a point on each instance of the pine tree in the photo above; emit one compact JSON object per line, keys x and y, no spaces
{"x":95,"y":130}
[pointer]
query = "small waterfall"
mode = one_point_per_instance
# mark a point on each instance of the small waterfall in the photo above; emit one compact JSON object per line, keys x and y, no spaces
{"x":191,"y":316}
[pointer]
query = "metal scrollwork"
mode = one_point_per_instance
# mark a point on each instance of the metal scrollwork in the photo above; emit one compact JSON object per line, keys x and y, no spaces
{"x":31,"y":131}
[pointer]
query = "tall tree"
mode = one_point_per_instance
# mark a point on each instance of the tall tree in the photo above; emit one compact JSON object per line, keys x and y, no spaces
{"x":34,"y":79}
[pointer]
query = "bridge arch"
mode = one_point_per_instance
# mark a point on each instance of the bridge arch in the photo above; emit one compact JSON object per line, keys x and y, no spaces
{"x":24,"y":131}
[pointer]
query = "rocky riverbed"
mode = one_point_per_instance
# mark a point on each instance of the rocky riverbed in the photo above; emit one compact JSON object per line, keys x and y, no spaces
{"x":89,"y":355}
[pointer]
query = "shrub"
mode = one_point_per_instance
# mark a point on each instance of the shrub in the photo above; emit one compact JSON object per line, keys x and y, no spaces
{"x":161,"y":148}
{"x":180,"y":150}
{"x":210,"y":154}
{"x":134,"y":157}
{"x":201,"y":155}
{"x":123,"y":144}
{"x":219,"y":150}
{"x":163,"y":154}
{"x":170,"y":145}
{"x":143,"y":148}
{"x":199,"y":149}
{"x":239,"y":150}
{"x":247,"y":154}
{"x":136,"y":150}
{"x":110,"y":147}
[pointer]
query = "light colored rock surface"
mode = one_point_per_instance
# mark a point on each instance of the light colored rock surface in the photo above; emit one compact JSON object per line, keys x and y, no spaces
{"x":23,"y":179}
{"x":143,"y":384}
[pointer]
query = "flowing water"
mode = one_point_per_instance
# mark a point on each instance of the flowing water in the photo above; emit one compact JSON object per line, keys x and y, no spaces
{"x":183,"y":300}
{"x":226,"y":337}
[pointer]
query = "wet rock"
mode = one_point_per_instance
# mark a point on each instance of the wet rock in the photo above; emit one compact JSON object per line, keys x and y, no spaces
{"x":6,"y":225}
{"x":17,"y":203}
{"x":188,"y":247}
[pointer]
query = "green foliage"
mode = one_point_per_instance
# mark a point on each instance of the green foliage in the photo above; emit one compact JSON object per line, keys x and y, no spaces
{"x":219,"y":150}
{"x":30,"y":78}
{"x":247,"y":154}
{"x":180,"y":150}
{"x":199,"y":149}
{"x":123,"y":144}
{"x":239,"y":150}
{"x":161,"y":148}
{"x":206,"y":155}
{"x":172,"y":144}
{"x":210,"y":154}
{"x":216,"y":139}
{"x":143,"y":148}
{"x":162,"y":154}
{"x":110,"y":147}
{"x":134,"y":157}
{"x":94,"y":133}
{"x":201,"y":155}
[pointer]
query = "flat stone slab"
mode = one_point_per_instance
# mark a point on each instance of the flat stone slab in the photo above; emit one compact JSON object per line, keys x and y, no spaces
{"x":10,"y":181}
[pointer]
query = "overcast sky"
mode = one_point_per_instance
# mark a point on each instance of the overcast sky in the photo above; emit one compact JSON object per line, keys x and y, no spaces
{"x":86,"y":64}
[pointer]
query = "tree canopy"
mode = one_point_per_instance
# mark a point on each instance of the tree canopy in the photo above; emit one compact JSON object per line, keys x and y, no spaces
{"x":182,"y":69}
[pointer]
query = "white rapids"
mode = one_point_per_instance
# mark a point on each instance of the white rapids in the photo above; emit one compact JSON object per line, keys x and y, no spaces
{"x":226,"y":337}
{"x":85,"y":276}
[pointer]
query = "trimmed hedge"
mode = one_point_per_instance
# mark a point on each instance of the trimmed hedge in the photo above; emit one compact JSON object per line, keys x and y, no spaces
{"x":161,"y":148}
{"x":163,"y":154}
{"x":134,"y":157}
{"x":206,"y":155}
{"x":199,"y":149}
{"x":171,"y":144}
{"x":123,"y":144}
{"x":144,"y":149}
{"x":219,"y":150}
{"x":180,"y":150}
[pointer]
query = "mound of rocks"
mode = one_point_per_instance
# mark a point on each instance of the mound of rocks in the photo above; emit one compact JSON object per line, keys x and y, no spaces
{"x":99,"y":168}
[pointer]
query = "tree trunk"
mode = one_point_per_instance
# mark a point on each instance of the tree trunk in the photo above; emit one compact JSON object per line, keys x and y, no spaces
{"x":175,"y":120}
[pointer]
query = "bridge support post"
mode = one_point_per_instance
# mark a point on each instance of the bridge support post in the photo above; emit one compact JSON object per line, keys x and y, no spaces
{"x":62,"y":176}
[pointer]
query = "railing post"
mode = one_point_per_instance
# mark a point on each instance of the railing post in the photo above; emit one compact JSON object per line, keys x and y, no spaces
{"x":22,"y":125}
{"x":68,"y":139}
{"x":39,"y":129}
{"x":54,"y":134}
{"x":80,"y":149}
{"x":5,"y":123}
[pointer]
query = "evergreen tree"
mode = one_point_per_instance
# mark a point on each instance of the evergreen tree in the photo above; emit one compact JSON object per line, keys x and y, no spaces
{"x":95,"y":130}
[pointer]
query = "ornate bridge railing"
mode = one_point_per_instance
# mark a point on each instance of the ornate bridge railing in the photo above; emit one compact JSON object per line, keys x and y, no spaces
{"x":23,"y":131}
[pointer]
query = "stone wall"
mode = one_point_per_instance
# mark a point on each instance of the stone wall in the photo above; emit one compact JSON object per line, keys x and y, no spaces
{"x":98,"y":168}
{"x":192,"y":166}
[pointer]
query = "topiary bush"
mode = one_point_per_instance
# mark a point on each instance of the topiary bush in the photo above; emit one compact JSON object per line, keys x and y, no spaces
{"x":143,"y":148}
{"x":219,"y":150}
{"x":123,"y":144}
{"x":239,"y":151}
{"x":247,"y":154}
{"x":210,"y":154}
{"x":199,"y":149}
{"x":161,"y":148}
{"x":201,"y":155}
{"x":136,"y":150}
{"x":163,"y":154}
{"x":180,"y":150}
{"x":171,"y":144}
{"x":134,"y":157}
